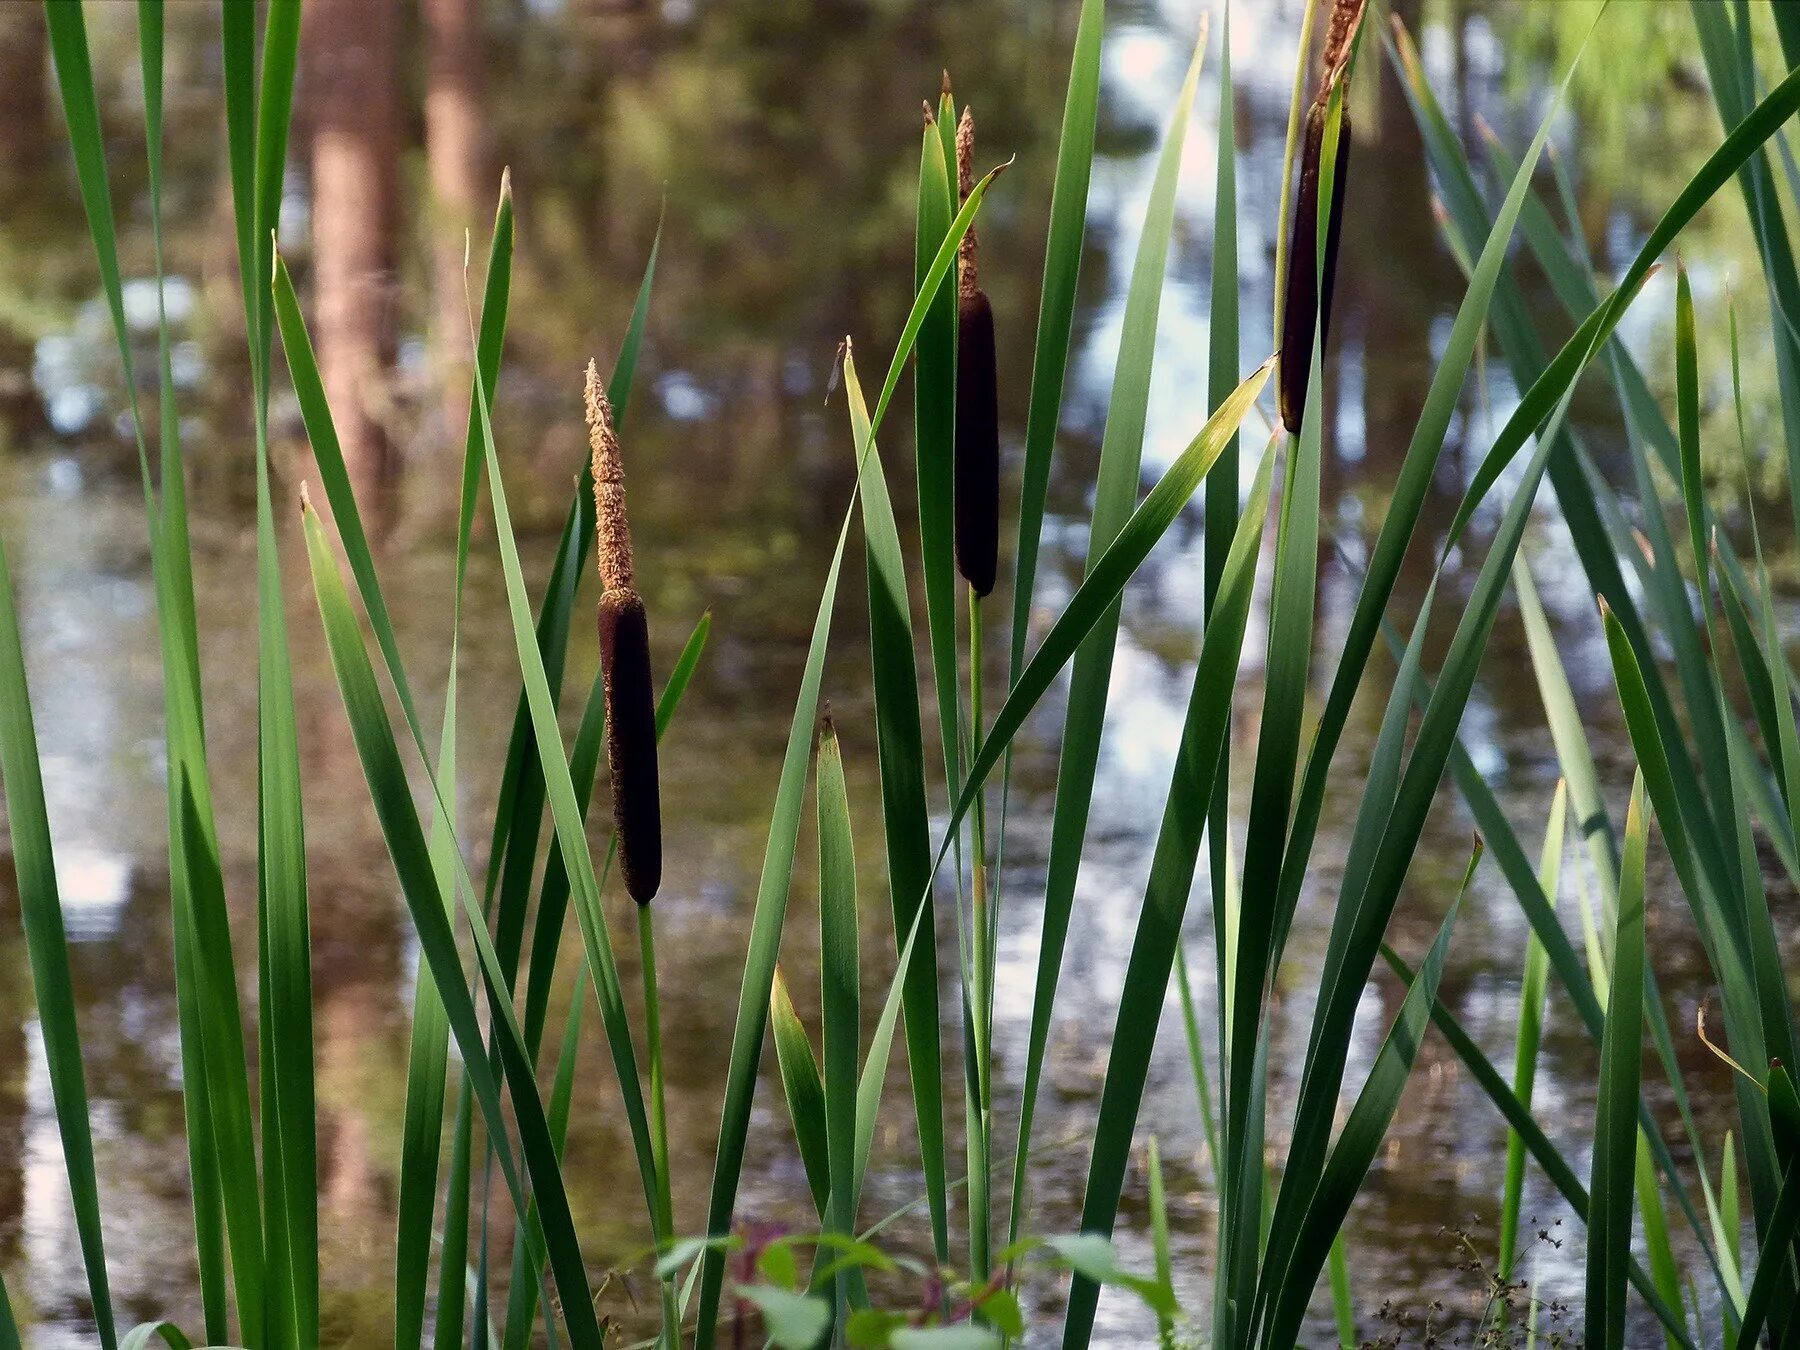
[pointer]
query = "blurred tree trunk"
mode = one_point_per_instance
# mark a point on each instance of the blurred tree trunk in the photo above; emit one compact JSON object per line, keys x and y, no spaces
{"x":353,"y":97}
{"x":456,"y":148}
{"x":24,"y":101}
{"x":25,"y":141}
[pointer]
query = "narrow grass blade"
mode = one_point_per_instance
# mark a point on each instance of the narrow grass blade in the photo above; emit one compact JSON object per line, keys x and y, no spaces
{"x":1116,"y":490}
{"x":172,"y":567}
{"x":1159,"y":1236}
{"x":1772,"y":1273}
{"x":874,"y":1069}
{"x":1663,"y":1270}
{"x":40,"y":906}
{"x":1573,"y":754}
{"x":1056,"y":307}
{"x":1196,"y":1049}
{"x":1530,"y":1035}
{"x":1615,"y":1128}
{"x":258,"y":103}
{"x":840,"y":966}
{"x":1727,"y":1223}
{"x":1223,"y":339}
{"x":1343,"y":1301}
{"x":905,"y":811}
{"x":453,"y":1259}
{"x":804,"y":1090}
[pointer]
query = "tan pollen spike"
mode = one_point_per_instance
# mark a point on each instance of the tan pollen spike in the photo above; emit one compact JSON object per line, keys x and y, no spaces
{"x":612,"y":531}
{"x":965,"y":176}
{"x":1346,"y":18}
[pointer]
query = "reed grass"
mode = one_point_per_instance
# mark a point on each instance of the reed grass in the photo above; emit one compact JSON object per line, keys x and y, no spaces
{"x":1691,"y":628}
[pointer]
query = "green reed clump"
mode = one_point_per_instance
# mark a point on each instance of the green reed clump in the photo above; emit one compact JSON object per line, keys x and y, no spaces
{"x":1280,"y":1218}
{"x":625,"y":663}
{"x":977,"y":401}
{"x":1310,"y":277}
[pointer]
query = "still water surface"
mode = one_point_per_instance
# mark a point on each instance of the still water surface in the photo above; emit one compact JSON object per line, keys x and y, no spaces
{"x":781,"y":140}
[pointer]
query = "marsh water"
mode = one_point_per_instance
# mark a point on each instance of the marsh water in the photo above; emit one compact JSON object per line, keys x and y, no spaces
{"x":777,"y":142}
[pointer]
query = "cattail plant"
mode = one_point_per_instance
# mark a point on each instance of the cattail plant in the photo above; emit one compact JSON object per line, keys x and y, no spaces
{"x":1309,"y":278}
{"x":977,"y":402}
{"x":977,"y":558}
{"x":625,"y":663}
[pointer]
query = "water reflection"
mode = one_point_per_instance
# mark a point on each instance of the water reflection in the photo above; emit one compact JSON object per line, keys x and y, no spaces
{"x":777,"y":142}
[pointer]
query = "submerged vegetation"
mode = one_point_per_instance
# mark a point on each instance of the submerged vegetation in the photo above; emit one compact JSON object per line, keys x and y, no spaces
{"x":488,"y":1248}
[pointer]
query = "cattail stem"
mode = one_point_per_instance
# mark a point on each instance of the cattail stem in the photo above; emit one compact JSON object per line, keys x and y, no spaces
{"x":983,"y":928}
{"x":659,"y":1124}
{"x":664,"y":1219}
{"x":981,"y":974}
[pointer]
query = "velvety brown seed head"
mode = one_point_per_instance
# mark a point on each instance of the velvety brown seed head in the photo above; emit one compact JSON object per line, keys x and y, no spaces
{"x":612,"y":542}
{"x":1309,"y":286}
{"x":965,"y":177}
{"x":977,"y":444}
{"x":631,"y":740}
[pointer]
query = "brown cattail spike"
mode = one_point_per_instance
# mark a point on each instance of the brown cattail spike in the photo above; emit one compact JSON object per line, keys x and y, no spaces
{"x":1310,"y":278}
{"x":612,"y":529}
{"x":624,"y":662}
{"x":977,"y":467}
{"x":631,"y":741}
